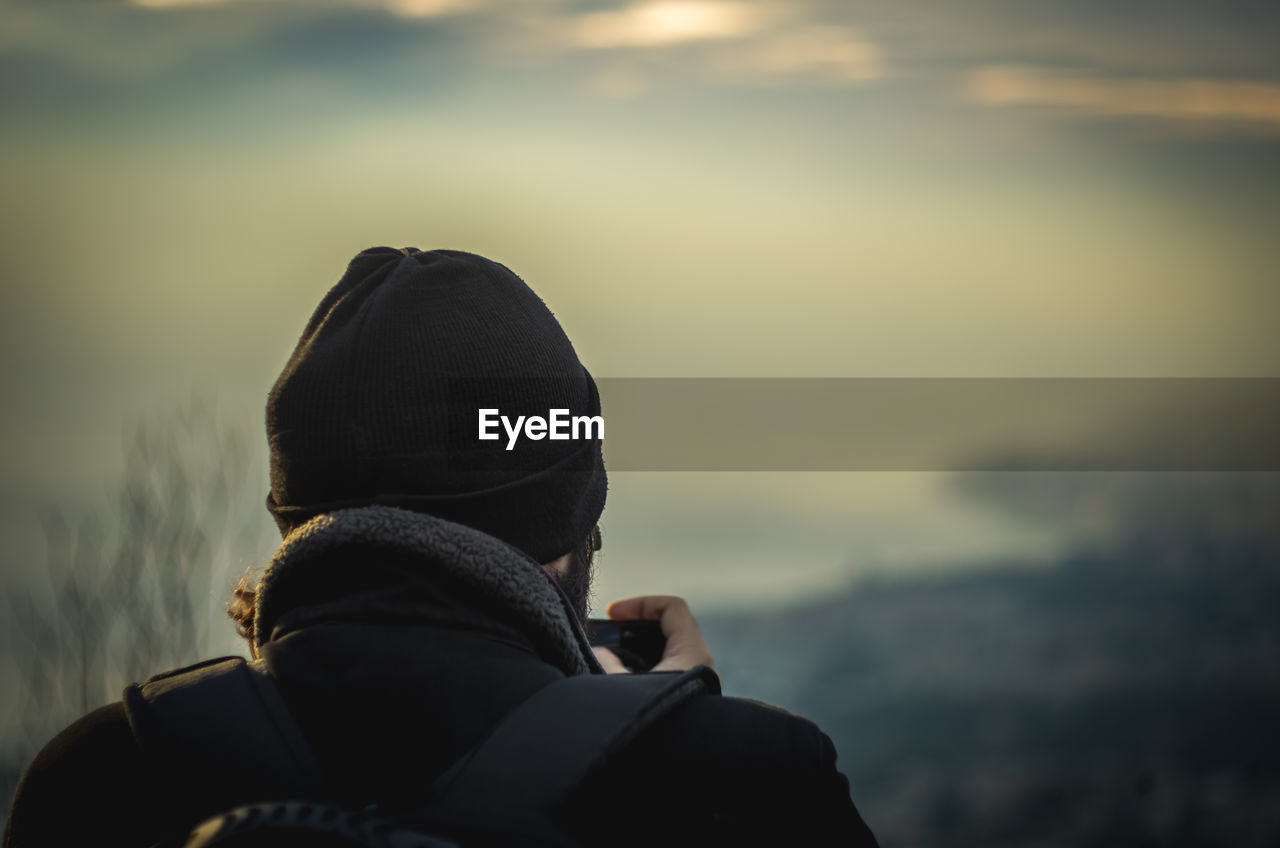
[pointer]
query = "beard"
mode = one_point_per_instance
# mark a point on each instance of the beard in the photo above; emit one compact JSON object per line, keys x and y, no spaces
{"x":576,"y":582}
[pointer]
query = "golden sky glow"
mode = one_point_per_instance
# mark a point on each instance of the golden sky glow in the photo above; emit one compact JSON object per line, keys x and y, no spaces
{"x":659,"y":22}
{"x":1091,"y":93}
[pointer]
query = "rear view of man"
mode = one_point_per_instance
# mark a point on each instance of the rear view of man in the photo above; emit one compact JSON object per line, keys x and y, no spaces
{"x":432,"y":580}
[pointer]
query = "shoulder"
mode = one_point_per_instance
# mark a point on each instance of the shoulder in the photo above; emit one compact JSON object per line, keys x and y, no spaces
{"x":730,"y":770}
{"x":96,"y":765}
{"x":746,"y":732}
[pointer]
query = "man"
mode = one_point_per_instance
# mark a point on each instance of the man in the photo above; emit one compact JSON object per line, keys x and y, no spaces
{"x":431,"y":579}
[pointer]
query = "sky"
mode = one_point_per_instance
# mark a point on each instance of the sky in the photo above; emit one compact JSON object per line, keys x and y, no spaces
{"x":697,"y":188}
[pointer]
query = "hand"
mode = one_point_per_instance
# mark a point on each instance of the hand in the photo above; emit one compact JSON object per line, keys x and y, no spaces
{"x":685,"y":647}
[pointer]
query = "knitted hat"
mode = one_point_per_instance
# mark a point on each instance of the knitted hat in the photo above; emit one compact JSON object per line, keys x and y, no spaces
{"x":380,"y":403}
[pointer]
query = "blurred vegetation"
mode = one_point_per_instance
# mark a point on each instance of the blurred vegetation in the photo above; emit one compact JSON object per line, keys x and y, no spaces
{"x":138,"y":586}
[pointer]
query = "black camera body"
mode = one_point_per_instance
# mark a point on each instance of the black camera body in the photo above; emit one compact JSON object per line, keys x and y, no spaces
{"x":637,"y":643}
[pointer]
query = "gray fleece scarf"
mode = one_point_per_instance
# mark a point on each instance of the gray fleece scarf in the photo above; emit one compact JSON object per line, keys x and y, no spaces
{"x":533,"y":603}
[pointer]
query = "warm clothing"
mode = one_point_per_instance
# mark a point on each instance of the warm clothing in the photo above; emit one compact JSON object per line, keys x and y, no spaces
{"x":398,"y":640}
{"x":380,"y":403}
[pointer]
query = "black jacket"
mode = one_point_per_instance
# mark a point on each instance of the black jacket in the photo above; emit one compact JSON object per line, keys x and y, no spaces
{"x":395,"y":661}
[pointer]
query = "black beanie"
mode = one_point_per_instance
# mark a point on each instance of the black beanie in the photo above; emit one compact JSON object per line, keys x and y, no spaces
{"x":380,"y":402}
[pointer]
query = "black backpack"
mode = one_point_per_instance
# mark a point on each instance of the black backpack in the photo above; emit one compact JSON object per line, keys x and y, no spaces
{"x":508,"y":790}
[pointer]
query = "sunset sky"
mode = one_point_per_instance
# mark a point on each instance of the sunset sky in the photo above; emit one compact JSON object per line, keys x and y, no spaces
{"x":891,"y":188}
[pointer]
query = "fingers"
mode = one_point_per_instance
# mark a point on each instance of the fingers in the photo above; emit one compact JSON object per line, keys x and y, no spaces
{"x":643,"y":606}
{"x":685,"y":646}
{"x":609,"y":661}
{"x":668,"y":610}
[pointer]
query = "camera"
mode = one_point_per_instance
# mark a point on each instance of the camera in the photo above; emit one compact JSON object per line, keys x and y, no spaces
{"x":638,"y":644}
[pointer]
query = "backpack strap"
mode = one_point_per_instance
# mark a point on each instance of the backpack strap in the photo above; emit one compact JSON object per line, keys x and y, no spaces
{"x":523,"y":773}
{"x":223,"y":717}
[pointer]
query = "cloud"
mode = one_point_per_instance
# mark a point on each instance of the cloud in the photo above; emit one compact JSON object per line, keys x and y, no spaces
{"x":653,"y":23}
{"x":1089,"y":93}
{"x":174,"y":4}
{"x":749,"y":43}
{"x":399,"y":8}
{"x":430,"y":8}
{"x":836,"y":54}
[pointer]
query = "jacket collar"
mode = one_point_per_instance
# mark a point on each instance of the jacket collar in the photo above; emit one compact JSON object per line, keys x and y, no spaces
{"x":515,"y":587}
